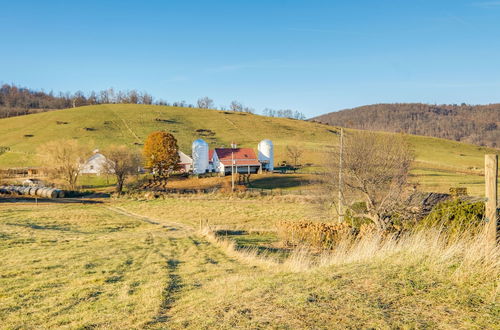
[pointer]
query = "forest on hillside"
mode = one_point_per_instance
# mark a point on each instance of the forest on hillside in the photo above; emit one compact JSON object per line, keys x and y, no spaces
{"x":477,"y":124}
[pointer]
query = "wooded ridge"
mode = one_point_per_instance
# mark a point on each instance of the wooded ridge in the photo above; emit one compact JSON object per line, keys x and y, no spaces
{"x":477,"y":124}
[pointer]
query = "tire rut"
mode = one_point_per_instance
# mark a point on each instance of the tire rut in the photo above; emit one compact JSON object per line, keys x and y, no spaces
{"x":190,"y":263}
{"x":173,"y":286}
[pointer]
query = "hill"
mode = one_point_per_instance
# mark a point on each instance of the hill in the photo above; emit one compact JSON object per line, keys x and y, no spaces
{"x":102,"y":125}
{"x":129,"y":124}
{"x":479,"y":124}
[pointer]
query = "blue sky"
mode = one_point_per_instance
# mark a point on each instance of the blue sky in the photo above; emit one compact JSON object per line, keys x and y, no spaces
{"x":311,"y":56}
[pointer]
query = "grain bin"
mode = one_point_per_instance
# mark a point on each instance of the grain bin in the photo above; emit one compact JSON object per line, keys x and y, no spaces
{"x":266,"y":154}
{"x":200,"y":156}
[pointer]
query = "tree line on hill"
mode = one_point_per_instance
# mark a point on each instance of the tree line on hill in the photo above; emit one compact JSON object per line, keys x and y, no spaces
{"x":477,"y":124}
{"x":18,"y":101}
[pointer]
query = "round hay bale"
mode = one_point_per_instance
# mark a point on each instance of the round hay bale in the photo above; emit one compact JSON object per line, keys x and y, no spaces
{"x":60,"y":193}
{"x":48,"y":193}
{"x":33,"y":190}
{"x":52,"y":193}
{"x":45,"y":192}
{"x":41,"y":192}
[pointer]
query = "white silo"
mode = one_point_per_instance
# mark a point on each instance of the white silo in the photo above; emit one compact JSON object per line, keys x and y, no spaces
{"x":266,"y":154}
{"x":200,"y":156}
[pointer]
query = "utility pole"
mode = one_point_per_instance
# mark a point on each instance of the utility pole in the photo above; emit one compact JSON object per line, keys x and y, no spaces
{"x":341,"y":147}
{"x":233,"y":146}
{"x":491,"y":184}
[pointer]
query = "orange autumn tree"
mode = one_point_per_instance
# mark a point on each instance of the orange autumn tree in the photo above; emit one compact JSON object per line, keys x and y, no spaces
{"x":161,"y":154}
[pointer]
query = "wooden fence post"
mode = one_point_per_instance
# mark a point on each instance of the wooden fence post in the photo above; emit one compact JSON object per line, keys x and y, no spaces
{"x":491,"y":183}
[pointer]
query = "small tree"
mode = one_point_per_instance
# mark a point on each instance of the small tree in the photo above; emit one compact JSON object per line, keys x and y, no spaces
{"x":236,"y":106}
{"x":205,"y":103}
{"x":121,"y":162}
{"x":64,"y":159}
{"x":161,"y":154}
{"x":375,"y":169}
{"x":294,"y":154}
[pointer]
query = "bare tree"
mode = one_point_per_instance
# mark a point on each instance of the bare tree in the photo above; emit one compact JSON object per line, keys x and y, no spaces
{"x":133,"y":97}
{"x":64,"y":159}
{"x":147,"y":98}
{"x":121,"y":162}
{"x":236,"y":106}
{"x":205,"y":103}
{"x":375,"y":169}
{"x":294,"y":154}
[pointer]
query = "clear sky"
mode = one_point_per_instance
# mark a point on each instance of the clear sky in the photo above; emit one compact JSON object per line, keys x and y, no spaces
{"x":311,"y":56}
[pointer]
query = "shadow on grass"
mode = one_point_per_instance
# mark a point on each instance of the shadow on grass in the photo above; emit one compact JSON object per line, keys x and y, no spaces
{"x":284,"y":181}
{"x":260,"y":242}
{"x":42,"y":227}
{"x":86,"y":200}
{"x":224,"y":232}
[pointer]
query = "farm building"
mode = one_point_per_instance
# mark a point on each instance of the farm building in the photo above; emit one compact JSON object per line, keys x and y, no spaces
{"x":243,"y":160}
{"x":186,"y":162}
{"x":203,"y":160}
{"x":95,"y":164}
{"x":21,"y":171}
{"x":225,"y":160}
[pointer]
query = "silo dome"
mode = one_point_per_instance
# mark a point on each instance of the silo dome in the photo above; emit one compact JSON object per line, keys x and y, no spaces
{"x":200,"y":156}
{"x":266,"y":154}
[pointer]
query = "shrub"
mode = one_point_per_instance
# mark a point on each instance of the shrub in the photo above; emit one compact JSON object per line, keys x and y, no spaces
{"x":314,"y":234}
{"x":456,"y":216}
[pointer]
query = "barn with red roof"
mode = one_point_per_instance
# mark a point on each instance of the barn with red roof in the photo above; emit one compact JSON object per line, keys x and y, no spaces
{"x":242,"y":160}
{"x":232,"y":160}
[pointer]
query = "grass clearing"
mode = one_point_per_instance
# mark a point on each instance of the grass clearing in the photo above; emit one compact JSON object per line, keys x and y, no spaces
{"x":78,"y":266}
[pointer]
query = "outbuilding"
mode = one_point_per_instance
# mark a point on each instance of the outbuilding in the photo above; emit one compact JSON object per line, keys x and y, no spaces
{"x":95,"y":164}
{"x":241,"y":160}
{"x":186,"y":162}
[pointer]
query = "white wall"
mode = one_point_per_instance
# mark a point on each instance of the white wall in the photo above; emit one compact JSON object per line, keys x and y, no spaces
{"x":94,"y":165}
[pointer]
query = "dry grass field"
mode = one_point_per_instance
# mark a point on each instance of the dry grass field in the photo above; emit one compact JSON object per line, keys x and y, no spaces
{"x":145,"y":264}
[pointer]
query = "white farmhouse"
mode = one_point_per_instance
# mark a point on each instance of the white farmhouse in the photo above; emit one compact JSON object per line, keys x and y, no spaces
{"x":95,"y":164}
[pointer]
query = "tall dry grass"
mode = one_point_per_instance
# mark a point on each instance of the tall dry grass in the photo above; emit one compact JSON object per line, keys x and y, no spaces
{"x":245,"y":255}
{"x":470,"y":256}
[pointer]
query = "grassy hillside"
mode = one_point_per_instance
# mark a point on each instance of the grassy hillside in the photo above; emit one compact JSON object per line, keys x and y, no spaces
{"x":99,"y":126}
{"x":130,"y":124}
